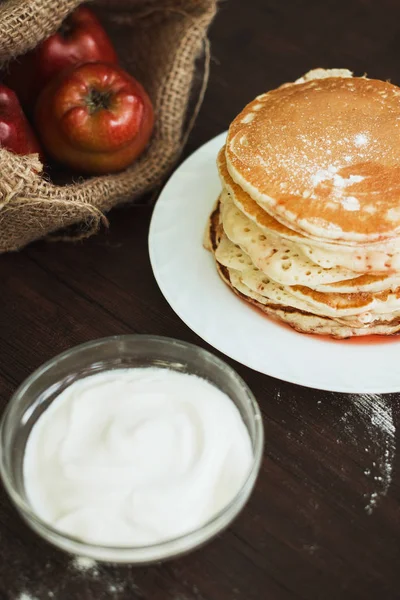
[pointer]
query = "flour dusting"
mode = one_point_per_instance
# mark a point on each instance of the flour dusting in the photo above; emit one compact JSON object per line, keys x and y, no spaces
{"x":114,"y":581}
{"x":116,"y":588}
{"x":82,"y":563}
{"x":376,"y":412}
{"x":350,"y":203}
{"x":361,"y":139}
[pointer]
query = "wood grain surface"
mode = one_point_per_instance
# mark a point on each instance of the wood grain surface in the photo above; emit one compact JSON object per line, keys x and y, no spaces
{"x":324,"y":520}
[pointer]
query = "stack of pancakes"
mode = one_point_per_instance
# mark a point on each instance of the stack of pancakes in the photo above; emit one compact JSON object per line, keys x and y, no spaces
{"x":307,"y":227}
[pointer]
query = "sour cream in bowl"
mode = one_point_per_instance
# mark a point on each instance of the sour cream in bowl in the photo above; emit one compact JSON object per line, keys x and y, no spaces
{"x":131,"y":448}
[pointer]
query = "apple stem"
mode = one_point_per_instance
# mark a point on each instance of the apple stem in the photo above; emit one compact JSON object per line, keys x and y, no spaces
{"x":98,"y":100}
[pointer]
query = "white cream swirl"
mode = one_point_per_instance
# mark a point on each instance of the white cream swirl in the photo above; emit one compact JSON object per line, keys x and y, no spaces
{"x":136,"y":456}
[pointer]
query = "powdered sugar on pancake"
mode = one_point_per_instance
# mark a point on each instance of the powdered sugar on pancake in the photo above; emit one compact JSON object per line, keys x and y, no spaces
{"x":323,"y":157}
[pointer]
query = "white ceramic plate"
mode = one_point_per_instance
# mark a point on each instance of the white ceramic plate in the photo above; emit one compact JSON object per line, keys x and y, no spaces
{"x":187,"y":277}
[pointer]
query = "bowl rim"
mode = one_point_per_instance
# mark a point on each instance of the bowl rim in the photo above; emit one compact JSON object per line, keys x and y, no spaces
{"x":208,"y":530}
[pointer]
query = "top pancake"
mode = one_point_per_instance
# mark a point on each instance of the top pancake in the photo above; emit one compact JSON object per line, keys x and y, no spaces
{"x":323,"y":157}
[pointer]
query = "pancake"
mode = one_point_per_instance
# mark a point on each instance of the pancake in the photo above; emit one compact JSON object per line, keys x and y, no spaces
{"x":323,"y":157}
{"x":376,"y":258}
{"x":306,"y":322}
{"x":281,"y":260}
{"x":233,"y":256}
{"x":340,"y":305}
{"x":363,"y":283}
{"x":299,"y":320}
{"x":332,"y":304}
{"x":324,"y":74}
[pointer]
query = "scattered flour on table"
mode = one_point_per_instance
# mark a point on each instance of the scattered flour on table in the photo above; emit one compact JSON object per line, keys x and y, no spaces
{"x":375,"y":411}
{"x":115,"y":588}
{"x":113,"y":580}
{"x":84,"y":564}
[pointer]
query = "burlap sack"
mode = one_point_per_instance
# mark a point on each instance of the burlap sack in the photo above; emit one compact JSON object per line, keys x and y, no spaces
{"x":158,"y":41}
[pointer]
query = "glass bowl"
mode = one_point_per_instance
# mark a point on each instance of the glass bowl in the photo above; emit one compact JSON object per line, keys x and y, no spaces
{"x":41,"y":388}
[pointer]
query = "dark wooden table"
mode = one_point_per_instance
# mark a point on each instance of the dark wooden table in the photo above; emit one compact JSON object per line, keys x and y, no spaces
{"x":323,"y":522}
